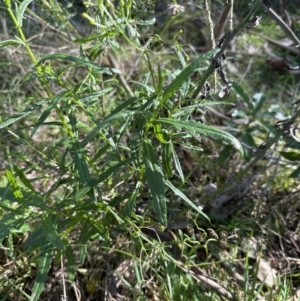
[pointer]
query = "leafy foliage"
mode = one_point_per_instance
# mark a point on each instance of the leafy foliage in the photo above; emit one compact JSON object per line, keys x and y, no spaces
{"x":97,"y":154}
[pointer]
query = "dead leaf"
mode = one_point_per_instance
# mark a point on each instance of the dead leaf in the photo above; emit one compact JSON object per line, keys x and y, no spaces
{"x":266,"y":273}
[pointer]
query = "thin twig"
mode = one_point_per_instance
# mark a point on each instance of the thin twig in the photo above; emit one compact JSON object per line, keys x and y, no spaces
{"x":122,"y":79}
{"x":211,"y":42}
{"x":291,"y":49}
{"x":219,"y":27}
{"x":211,"y":26}
{"x":283,"y":25}
{"x":64,"y":297}
{"x":233,"y":33}
{"x":231,"y":15}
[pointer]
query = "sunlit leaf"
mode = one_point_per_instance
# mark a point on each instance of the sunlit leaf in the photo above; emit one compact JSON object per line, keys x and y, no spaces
{"x":185,"y":198}
{"x":177,"y":164}
{"x":78,"y":61}
{"x":128,"y":208}
{"x":13,"y":183}
{"x":24,"y":113}
{"x":155,"y":181}
{"x":71,"y":263}
{"x":203,"y":129}
{"x":21,"y":10}
{"x":44,"y":264}
{"x":22,"y":177}
{"x":50,"y":232}
{"x":185,"y":73}
{"x":166,"y":156}
{"x":291,"y":156}
{"x":11,"y":43}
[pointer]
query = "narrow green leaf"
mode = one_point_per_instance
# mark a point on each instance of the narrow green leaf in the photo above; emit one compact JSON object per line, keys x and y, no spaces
{"x":19,"y":39}
{"x":258,"y":100}
{"x":21,"y":10}
{"x":291,"y":156}
{"x":80,"y":163}
{"x":96,"y":37}
{"x":122,"y":106}
{"x":186,"y":199}
{"x":128,"y":208}
{"x":27,"y":111}
{"x":240,"y":91}
{"x":13,"y":183}
{"x":202,"y":104}
{"x":160,"y":80}
{"x":181,"y":56}
{"x":132,"y":31}
{"x":95,"y":95}
{"x":248,"y":139}
{"x":104,"y":124}
{"x":35,"y":239}
{"x":183,"y":76}
{"x":5,"y":228}
{"x":11,"y":43}
{"x":22,"y":177}
{"x":82,"y":192}
{"x":71,"y":263}
{"x":162,"y":136}
{"x":50,"y":232}
{"x":44,"y":264}
{"x":117,"y":200}
{"x":225,"y":154}
{"x":115,"y":47}
{"x":9,"y":224}
{"x":137,"y":270}
{"x":48,"y":111}
{"x":79,"y":61}
{"x":166,"y":156}
{"x":84,"y":207}
{"x":100,"y":152}
{"x":155,"y":181}
{"x":203,"y":129}
{"x":177,"y":164}
{"x":146,"y":22}
{"x":98,"y":227}
{"x":32,"y":198}
{"x":86,"y":233}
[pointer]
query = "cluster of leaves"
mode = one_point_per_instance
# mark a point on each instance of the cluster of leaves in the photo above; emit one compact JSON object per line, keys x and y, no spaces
{"x":111,"y":147}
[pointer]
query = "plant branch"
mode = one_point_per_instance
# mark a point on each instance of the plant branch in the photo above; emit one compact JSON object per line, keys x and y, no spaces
{"x":283,"y":25}
{"x":244,"y":172}
{"x":233,"y":33}
{"x":219,"y":27}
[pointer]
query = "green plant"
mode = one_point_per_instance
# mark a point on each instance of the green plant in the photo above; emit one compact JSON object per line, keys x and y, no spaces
{"x":99,"y":158}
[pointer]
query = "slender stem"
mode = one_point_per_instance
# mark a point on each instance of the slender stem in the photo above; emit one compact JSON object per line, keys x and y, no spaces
{"x":40,"y":70}
{"x":233,"y":33}
{"x":283,"y":25}
{"x":211,"y":26}
{"x":231,"y":15}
